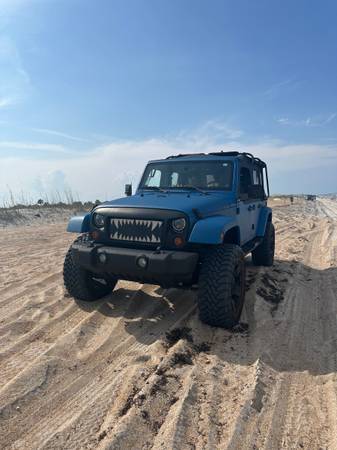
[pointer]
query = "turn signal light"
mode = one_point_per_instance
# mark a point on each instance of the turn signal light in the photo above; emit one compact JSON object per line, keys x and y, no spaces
{"x":95,"y":235}
{"x":179,"y":241}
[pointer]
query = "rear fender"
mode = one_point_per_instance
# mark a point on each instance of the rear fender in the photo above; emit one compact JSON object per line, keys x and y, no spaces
{"x":265,"y":217}
{"x":211,"y":230}
{"x":79,"y":224}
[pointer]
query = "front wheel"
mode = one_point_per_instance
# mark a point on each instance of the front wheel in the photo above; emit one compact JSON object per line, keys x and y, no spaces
{"x":222,"y":286}
{"x":82,"y":284}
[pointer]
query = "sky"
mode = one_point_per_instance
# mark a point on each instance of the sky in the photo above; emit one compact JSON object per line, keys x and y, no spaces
{"x":90,"y":90}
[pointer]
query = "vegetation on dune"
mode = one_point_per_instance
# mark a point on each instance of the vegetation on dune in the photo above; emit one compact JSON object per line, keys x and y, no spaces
{"x":22,"y":208}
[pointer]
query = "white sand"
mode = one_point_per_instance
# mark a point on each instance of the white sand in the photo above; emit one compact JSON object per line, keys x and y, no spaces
{"x":101,"y":375}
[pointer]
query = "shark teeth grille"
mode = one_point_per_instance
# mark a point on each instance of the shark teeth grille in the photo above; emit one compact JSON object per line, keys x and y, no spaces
{"x":136,"y":230}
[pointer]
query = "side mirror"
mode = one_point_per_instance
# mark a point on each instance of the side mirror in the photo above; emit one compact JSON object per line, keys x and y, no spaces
{"x":128,"y":190}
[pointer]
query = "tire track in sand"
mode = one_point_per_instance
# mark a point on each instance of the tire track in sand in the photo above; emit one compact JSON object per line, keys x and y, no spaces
{"x":105,"y":376}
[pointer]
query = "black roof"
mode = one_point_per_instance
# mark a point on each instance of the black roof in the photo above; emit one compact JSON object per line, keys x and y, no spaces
{"x":237,"y":154}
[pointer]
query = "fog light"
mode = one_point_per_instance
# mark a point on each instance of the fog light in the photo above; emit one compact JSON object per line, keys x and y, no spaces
{"x":142,"y":262}
{"x":102,"y":258}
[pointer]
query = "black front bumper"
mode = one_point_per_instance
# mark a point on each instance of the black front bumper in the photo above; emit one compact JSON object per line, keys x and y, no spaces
{"x":165,"y":267}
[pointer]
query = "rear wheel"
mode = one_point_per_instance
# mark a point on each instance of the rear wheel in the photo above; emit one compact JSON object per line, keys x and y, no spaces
{"x":263,"y":255}
{"x":82,"y":284}
{"x":222,"y":286}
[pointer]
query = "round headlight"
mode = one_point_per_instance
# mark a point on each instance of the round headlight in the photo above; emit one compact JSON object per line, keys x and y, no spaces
{"x":179,"y":224}
{"x":98,"y":220}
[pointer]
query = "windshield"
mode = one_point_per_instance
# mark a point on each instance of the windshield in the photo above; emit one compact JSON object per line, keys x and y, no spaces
{"x":205,"y":175}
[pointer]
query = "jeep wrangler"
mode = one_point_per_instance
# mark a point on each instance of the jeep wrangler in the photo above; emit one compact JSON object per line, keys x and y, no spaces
{"x":191,"y":222}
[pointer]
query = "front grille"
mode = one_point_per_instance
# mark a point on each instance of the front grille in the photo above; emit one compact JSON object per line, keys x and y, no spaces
{"x":136,"y":230}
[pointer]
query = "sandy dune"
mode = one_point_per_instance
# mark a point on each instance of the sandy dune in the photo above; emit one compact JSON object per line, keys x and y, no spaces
{"x":139,"y":371}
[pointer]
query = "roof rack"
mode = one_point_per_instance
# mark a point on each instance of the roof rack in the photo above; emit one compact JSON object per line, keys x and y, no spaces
{"x":254,"y":159}
{"x":184,"y":155}
{"x":192,"y":155}
{"x":221,"y":153}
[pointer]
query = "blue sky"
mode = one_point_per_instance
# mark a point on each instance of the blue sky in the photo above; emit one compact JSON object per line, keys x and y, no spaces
{"x":90,"y":90}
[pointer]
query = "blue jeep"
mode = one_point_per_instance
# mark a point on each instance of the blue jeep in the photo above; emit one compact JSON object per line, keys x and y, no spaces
{"x":191,"y":222}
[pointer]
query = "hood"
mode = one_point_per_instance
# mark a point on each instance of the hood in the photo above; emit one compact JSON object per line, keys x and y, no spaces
{"x":177,"y":201}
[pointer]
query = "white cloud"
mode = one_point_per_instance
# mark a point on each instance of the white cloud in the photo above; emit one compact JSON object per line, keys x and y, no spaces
{"x":9,"y":7}
{"x":315,"y":121}
{"x":15,"y":83}
{"x":217,"y":129}
{"x":331,"y":118}
{"x":277,"y":89}
{"x":5,"y":101}
{"x":103,"y":171}
{"x":51,"y":186}
{"x":31,"y":146}
{"x":210,"y":134}
{"x":58,"y":134}
{"x":283,"y":121}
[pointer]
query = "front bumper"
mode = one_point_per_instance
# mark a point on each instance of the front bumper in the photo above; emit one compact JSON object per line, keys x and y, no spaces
{"x":164,"y":267}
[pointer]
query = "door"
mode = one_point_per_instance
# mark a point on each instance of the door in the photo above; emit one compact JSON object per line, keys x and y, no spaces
{"x":257,"y":195}
{"x":247,"y":206}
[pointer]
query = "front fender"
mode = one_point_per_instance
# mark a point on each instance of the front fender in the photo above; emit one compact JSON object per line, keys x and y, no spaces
{"x":79,"y":224}
{"x":211,"y":229}
{"x":265,"y":214}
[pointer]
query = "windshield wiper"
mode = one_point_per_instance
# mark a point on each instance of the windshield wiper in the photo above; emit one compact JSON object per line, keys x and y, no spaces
{"x":190,"y":186}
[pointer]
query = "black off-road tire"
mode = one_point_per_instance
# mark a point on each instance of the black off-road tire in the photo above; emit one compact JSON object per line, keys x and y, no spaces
{"x":263,"y":255}
{"x":222,"y":286}
{"x":82,"y":284}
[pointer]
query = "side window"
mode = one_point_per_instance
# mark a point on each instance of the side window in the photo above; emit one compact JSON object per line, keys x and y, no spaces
{"x":153,"y":179}
{"x":257,"y":190}
{"x":257,"y":177}
{"x":245,"y":182}
{"x":174,"y":179}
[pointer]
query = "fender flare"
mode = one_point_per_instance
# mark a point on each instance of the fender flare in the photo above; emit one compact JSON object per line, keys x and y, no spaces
{"x":264,"y":218}
{"x":211,"y":230}
{"x":79,"y":224}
